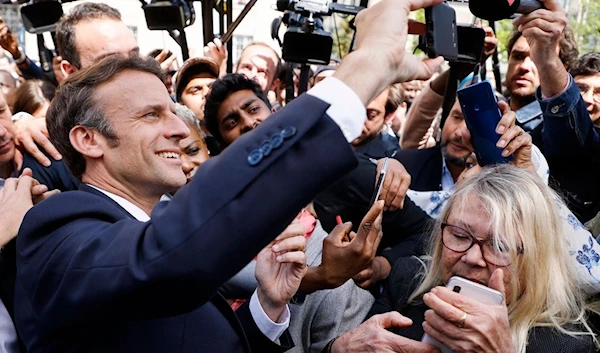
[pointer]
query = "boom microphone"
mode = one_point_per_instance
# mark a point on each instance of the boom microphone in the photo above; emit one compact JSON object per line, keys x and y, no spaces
{"x":494,"y":10}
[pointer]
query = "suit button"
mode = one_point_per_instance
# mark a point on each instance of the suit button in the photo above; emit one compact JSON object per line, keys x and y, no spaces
{"x":288,"y":132}
{"x":266,"y":148}
{"x":255,"y":157}
{"x":276,"y":141}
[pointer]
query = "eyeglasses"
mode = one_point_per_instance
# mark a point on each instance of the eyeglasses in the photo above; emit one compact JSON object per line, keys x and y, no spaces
{"x":460,"y":240}
{"x":584,"y":89}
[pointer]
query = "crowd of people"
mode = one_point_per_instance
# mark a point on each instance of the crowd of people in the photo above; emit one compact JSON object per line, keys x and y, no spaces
{"x":151,"y":205}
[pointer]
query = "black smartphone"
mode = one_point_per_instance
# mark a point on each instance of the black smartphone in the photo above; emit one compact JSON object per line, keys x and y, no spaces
{"x":480,"y":109}
{"x":380,"y":180}
{"x":441,"y":35}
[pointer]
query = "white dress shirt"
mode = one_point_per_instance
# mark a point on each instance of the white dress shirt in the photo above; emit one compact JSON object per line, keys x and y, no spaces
{"x":345,"y":108}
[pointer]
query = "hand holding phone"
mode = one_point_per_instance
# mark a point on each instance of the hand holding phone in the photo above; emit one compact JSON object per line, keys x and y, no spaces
{"x":472,"y":290}
{"x":380,"y":181}
{"x":482,"y":115}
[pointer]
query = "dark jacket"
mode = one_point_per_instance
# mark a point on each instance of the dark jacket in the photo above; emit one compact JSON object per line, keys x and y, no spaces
{"x":92,"y":279}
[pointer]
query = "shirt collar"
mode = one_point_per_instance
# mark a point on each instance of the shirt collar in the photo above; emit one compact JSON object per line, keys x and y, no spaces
{"x":447,"y":180}
{"x":132,"y":209}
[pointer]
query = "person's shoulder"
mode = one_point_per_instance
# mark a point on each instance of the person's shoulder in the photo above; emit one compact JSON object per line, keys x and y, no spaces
{"x":550,"y":339}
{"x":71,"y":204}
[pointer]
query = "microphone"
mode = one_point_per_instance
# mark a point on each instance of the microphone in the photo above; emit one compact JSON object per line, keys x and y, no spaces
{"x":494,"y":10}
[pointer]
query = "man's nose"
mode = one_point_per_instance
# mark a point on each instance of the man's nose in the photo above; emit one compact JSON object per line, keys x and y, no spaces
{"x":248,"y":123}
{"x":527,"y":65}
{"x":176,"y":128}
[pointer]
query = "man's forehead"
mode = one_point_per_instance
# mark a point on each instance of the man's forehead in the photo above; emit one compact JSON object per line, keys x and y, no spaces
{"x":97,"y":38}
{"x":131,"y":89}
{"x":593,"y":79}
{"x":259,"y":53}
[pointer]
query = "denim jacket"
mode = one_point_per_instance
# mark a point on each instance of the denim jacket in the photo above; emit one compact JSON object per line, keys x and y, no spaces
{"x":568,"y":130}
{"x":572,"y":146}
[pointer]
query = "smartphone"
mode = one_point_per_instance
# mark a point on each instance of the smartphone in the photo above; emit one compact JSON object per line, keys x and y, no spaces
{"x":480,"y":109}
{"x":441,"y":34}
{"x":380,"y":181}
{"x":472,"y":290}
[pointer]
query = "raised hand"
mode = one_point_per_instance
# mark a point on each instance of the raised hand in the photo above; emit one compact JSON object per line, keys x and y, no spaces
{"x":280,"y":267}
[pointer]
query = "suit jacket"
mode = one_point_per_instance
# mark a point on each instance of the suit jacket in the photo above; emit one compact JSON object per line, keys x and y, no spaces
{"x":424,"y":167}
{"x":92,"y":279}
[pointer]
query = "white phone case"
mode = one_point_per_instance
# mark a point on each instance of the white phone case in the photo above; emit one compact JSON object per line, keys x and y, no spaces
{"x":470,"y":289}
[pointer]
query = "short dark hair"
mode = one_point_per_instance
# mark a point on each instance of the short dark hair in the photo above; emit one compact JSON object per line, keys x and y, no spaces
{"x":587,"y":65}
{"x":567,"y":44}
{"x":65,"y":28}
{"x":75,"y":104}
{"x":220,"y":90}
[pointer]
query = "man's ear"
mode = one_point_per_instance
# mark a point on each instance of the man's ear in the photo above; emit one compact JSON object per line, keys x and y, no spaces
{"x":274,"y":85}
{"x":67,"y":68}
{"x":86,"y":141}
{"x":389,"y":118}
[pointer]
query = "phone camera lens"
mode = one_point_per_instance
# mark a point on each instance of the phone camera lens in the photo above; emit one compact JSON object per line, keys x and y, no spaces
{"x":456,"y":289}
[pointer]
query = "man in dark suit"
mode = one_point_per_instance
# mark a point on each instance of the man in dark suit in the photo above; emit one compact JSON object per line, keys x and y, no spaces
{"x":97,"y":273}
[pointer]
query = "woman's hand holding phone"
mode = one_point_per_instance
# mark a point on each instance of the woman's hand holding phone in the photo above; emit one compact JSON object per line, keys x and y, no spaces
{"x":464,"y":324}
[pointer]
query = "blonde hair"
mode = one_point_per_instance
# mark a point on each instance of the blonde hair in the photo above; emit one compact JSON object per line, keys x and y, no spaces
{"x":524,"y":217}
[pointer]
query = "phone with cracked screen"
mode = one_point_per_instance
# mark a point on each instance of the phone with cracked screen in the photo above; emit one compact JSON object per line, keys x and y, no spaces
{"x":472,"y":290}
{"x":482,"y":115}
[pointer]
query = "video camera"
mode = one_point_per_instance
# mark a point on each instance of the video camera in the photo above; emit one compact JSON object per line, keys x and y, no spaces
{"x":306,"y":41}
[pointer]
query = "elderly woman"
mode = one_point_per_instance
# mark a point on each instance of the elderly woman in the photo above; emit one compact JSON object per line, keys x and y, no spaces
{"x":193,"y":148}
{"x":500,"y":228}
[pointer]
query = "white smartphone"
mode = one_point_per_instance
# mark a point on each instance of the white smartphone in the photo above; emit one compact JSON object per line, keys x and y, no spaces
{"x":470,"y":289}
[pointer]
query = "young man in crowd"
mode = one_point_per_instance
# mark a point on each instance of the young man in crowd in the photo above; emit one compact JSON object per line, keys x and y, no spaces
{"x":192,"y":83}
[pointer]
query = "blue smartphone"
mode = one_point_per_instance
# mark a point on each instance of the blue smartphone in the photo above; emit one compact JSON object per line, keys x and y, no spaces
{"x":480,"y":109}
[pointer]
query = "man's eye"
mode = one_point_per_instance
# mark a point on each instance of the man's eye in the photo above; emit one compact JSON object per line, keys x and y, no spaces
{"x":230,"y":124}
{"x":253,"y":110}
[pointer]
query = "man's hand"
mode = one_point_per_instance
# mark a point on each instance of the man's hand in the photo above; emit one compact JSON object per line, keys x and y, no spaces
{"x":395,"y":185}
{"x":485,"y":328}
{"x":514,"y":140}
{"x":8,"y":41}
{"x":380,"y":58}
{"x":280,"y":267}
{"x":377,"y":272}
{"x":490,"y":42}
{"x":217,"y":51}
{"x":543,"y":29}
{"x":342,"y":260}
{"x":28,"y":132}
{"x":165,"y":60}
{"x":16,"y":198}
{"x":372,"y":337}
